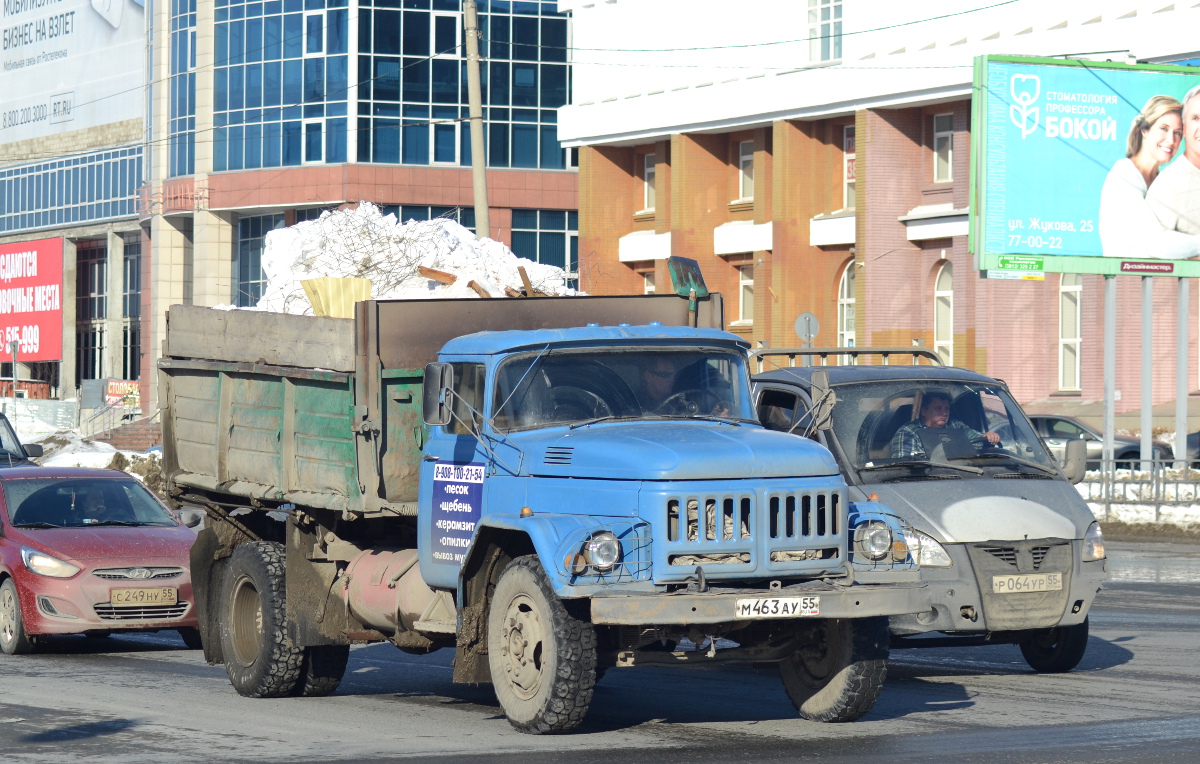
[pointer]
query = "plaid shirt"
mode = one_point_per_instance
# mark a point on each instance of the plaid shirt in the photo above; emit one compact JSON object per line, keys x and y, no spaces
{"x":907,"y":441}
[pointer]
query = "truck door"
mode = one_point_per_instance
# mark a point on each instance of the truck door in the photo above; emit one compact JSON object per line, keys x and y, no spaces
{"x":453,"y":469}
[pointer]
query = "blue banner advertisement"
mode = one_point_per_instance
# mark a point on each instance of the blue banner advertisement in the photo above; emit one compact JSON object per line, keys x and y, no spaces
{"x":1087,"y":160}
{"x":457,"y":500}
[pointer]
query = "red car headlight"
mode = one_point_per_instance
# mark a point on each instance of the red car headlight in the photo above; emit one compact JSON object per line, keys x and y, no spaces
{"x":46,"y":565}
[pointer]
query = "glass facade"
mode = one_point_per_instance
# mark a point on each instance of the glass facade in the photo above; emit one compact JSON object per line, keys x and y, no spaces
{"x":81,"y":189}
{"x":384,"y":81}
{"x":547,"y":236}
{"x":247,"y":264}
{"x":131,"y":308}
{"x":182,"y":126}
{"x":91,"y":309}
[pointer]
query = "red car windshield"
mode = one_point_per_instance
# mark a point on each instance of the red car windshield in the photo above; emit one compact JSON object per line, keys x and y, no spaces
{"x":82,"y":502}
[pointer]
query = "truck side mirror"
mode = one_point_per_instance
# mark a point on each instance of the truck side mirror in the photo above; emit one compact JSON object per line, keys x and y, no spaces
{"x":823,"y":399}
{"x":33,"y":450}
{"x":438,"y":393}
{"x":1075,"y":460}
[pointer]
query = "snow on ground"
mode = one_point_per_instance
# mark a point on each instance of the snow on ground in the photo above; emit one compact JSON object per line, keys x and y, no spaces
{"x":363,"y":243}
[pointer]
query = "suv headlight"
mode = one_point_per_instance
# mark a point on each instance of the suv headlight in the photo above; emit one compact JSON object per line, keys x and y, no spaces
{"x":1093,"y":543}
{"x":45,"y":565}
{"x":602,"y":551}
{"x":926,"y":550}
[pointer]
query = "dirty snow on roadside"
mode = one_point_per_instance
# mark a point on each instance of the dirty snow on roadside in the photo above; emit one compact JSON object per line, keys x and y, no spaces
{"x":65,"y":448}
{"x":363,"y":243}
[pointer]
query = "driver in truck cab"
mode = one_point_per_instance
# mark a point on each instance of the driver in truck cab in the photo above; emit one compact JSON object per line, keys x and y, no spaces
{"x":933,"y":413}
{"x":665,"y":389}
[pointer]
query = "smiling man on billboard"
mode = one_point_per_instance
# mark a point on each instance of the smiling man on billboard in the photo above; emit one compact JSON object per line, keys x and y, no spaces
{"x":1175,"y":195}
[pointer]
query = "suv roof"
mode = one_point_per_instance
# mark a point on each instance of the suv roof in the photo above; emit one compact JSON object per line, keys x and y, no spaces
{"x":845,"y":374}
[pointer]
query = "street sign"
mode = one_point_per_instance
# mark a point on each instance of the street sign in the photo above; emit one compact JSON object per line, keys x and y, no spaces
{"x":807,"y":327}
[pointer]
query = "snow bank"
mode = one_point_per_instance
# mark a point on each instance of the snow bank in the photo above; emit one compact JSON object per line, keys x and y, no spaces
{"x":364,"y":243}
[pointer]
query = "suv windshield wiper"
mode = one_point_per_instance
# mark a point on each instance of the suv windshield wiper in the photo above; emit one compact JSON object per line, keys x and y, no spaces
{"x":1017,"y":459}
{"x":919,"y":463}
{"x":36,"y":525}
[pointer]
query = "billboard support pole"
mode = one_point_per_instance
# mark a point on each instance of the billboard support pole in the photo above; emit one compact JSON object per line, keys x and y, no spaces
{"x":1110,"y":373}
{"x":1181,"y":376}
{"x":1147,"y":372}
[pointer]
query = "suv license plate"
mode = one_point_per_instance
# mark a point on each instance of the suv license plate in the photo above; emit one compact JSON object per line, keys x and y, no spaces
{"x":1036,"y":582}
{"x":156,"y":595}
{"x":777,"y":607}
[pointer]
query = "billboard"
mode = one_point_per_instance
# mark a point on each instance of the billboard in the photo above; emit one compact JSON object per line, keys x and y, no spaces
{"x":70,"y":65}
{"x":31,"y":287}
{"x":1053,"y":189}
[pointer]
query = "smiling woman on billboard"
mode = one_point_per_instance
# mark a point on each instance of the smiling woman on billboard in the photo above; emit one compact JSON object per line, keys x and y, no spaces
{"x":1128,"y":226}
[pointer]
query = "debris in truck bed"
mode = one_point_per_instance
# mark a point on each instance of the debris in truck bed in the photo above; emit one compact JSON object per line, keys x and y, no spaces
{"x":419,"y":259}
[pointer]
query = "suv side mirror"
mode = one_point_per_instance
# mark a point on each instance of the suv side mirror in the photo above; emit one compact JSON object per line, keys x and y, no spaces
{"x":437,"y":395}
{"x":1075,"y":460}
{"x":33,"y":450}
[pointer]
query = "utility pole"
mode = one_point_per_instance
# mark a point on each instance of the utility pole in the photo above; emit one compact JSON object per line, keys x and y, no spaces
{"x":483,"y":226}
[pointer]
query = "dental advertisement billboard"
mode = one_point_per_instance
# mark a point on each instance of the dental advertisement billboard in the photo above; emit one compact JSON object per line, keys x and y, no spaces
{"x":70,"y":65}
{"x":1085,"y":167}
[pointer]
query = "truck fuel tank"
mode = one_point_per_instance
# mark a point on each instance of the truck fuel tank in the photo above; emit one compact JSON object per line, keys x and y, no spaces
{"x":384,"y":590}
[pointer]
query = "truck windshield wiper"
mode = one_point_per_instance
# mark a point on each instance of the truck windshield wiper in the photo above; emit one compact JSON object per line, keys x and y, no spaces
{"x":919,"y":463}
{"x":36,"y":525}
{"x":1017,"y":459}
{"x":594,"y":420}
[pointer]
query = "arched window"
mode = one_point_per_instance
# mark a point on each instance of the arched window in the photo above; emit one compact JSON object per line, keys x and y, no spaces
{"x":1070,"y":291}
{"x":846,"y":311}
{"x":943,"y":314}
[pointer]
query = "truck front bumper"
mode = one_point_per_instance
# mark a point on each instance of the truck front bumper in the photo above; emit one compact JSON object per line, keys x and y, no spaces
{"x":720,"y":605}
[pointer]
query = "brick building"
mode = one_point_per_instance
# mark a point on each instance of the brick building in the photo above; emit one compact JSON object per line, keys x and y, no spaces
{"x":820,"y":163}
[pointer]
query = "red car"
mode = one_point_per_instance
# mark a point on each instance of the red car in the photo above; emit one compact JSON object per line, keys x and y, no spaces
{"x":92,"y":552}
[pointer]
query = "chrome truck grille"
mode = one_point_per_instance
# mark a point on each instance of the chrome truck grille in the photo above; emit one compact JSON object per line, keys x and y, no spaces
{"x":739,"y":534}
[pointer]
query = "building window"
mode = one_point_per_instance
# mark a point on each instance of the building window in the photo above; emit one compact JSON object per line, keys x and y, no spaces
{"x":943,"y":148}
{"x":550,"y":237}
{"x":247,"y":264}
{"x":846,"y":311}
{"x":745,"y":294}
{"x":85,"y":188}
{"x":182,"y":89}
{"x":943,"y":314}
{"x":648,"y":282}
{"x":649,"y":170}
{"x":746,"y":169}
{"x":131,"y":309}
{"x":825,"y":30}
{"x":848,"y":167}
{"x":91,"y":309}
{"x":1070,"y":292}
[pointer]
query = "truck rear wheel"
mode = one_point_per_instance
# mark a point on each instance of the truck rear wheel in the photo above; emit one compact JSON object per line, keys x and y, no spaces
{"x":542,"y":658}
{"x":322,"y":670}
{"x":838,"y":677}
{"x":1058,"y":650}
{"x":260,"y":659}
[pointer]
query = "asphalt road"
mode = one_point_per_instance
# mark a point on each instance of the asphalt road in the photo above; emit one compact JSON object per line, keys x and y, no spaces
{"x":1134,"y":698}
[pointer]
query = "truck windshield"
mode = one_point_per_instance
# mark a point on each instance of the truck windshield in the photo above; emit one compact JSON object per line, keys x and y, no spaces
{"x":573,"y":387}
{"x":893,"y":427}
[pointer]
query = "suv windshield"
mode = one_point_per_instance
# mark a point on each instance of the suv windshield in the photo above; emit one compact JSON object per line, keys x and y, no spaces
{"x":906,"y":425}
{"x":77,"y":502}
{"x":575,"y":387}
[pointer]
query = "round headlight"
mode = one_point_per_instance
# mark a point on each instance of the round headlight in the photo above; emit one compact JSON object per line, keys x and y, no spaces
{"x":45,"y":565}
{"x":873,"y":540}
{"x":1093,"y":544}
{"x":602,"y":550}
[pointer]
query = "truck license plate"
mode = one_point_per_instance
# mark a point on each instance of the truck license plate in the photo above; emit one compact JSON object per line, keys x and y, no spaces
{"x":778,"y":607}
{"x":1036,"y":582}
{"x":158,"y":595}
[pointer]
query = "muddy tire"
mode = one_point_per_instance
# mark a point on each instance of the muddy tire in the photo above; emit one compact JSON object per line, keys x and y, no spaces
{"x":839,"y":677}
{"x":1058,"y":650}
{"x":542,"y":658}
{"x":322,"y":670}
{"x":191,"y":638}
{"x":260,"y":659}
{"x":13,"y":639}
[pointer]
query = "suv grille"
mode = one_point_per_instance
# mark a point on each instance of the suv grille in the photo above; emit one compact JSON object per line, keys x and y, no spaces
{"x":1009,"y":554}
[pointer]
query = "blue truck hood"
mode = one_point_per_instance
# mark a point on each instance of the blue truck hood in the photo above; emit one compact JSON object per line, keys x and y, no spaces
{"x":657,"y":450}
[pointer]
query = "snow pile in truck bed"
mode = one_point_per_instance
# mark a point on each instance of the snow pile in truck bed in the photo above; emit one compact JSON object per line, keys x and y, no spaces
{"x":361,"y":242}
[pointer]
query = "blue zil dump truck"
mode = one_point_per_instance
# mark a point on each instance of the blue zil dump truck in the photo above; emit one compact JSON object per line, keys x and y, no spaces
{"x":551,"y":487}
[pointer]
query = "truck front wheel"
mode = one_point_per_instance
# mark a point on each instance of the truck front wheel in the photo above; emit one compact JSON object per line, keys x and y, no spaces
{"x":1058,"y":650}
{"x":838,"y":676}
{"x":260,"y":659}
{"x":542,"y":658}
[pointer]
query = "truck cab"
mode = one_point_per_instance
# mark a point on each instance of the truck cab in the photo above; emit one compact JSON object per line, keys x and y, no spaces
{"x":1010,"y":550}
